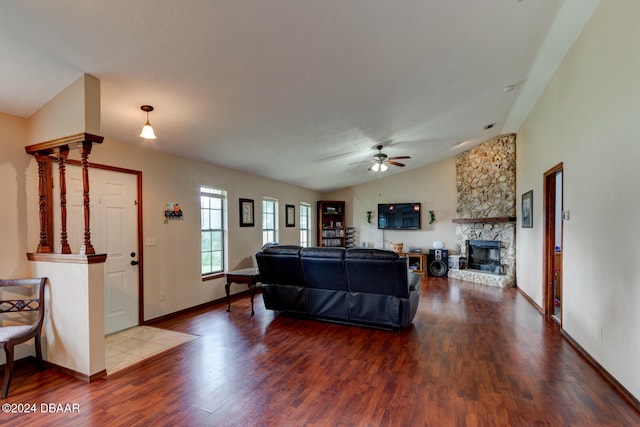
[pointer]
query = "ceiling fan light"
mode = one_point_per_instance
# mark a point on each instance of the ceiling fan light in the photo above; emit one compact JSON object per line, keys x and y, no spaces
{"x":383,"y":167}
{"x":375,"y":167}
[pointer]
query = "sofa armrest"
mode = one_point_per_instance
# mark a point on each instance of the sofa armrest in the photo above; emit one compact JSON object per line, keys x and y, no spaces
{"x":414,"y":282}
{"x":414,"y":295}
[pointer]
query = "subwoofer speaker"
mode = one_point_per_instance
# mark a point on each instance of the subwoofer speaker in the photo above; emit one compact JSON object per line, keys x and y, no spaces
{"x":438,"y":262}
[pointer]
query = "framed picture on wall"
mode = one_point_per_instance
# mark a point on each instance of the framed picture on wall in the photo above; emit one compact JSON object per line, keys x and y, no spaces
{"x":527,"y":209}
{"x":291,"y":215}
{"x":246,"y":213}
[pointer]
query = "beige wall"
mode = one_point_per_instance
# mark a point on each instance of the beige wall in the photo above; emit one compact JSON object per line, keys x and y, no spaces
{"x":172,"y":268}
{"x":76,"y":109}
{"x":15,"y":172}
{"x":587,"y":118}
{"x":434,"y":186}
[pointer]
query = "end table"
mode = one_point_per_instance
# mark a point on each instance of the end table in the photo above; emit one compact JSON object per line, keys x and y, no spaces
{"x":249,"y":276}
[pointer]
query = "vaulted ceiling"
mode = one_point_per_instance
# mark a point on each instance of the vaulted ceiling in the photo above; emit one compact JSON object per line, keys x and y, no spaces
{"x":293,"y":90}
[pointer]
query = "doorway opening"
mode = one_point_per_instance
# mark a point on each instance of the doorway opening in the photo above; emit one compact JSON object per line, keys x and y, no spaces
{"x":553,"y":247}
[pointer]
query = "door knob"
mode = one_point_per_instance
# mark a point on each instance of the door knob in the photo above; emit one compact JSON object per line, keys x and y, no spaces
{"x":134,"y":262}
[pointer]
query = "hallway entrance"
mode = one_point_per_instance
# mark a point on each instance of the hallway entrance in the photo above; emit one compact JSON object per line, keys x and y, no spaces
{"x":553,"y":247}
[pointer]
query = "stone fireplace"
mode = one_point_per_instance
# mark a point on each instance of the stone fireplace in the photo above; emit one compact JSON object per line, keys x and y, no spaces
{"x":486,"y":184}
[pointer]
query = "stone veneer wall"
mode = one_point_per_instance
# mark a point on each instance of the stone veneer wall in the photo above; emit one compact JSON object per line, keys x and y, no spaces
{"x":486,"y":187}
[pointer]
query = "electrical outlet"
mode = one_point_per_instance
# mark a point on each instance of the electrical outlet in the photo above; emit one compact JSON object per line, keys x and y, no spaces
{"x":162,"y":296}
{"x":151,"y":241}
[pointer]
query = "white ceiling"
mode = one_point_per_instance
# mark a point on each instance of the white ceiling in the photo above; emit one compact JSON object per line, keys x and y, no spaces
{"x":293,"y":90}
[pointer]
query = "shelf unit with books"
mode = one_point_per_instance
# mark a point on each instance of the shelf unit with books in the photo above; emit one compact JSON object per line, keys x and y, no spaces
{"x":331,"y":226}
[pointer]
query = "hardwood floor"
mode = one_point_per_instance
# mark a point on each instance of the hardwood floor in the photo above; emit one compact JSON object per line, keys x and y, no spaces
{"x":475,"y":356}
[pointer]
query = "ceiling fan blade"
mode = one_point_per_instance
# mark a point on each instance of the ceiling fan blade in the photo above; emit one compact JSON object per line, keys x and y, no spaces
{"x":391,"y":162}
{"x":337,"y":156}
{"x":399,"y":157}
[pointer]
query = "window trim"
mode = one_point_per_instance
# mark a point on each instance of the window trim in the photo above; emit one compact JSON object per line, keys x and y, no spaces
{"x":307,"y":230}
{"x":212,"y":276}
{"x":217,"y":193}
{"x":275,"y":229}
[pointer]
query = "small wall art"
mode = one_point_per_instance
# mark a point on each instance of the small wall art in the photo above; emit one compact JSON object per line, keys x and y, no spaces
{"x":173,"y":211}
{"x":527,"y":209}
{"x":246,"y":213}
{"x":290,"y":215}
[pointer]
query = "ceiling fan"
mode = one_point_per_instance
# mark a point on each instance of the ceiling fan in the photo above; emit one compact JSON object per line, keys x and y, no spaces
{"x":381,"y":160}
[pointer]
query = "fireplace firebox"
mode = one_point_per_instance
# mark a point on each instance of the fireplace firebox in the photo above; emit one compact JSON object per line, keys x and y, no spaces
{"x":484,"y":255}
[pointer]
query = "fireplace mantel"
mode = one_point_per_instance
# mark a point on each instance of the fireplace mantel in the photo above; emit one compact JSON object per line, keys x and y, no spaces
{"x":480,"y":220}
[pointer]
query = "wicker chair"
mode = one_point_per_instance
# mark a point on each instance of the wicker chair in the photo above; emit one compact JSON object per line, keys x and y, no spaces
{"x":12,"y":301}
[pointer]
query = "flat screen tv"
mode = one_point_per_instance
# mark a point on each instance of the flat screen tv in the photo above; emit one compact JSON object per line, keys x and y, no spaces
{"x":399,"y":216}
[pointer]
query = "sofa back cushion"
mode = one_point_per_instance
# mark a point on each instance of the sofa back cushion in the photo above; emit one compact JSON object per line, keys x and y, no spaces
{"x":281,"y":265}
{"x":371,"y":254}
{"x":377,"y":271}
{"x":323,"y":268}
{"x":282,"y":281}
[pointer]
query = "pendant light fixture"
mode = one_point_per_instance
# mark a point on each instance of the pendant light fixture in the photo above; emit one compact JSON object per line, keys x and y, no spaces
{"x":147,"y":130}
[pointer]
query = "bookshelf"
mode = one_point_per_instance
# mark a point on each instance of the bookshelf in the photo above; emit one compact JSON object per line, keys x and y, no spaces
{"x":331,"y":226}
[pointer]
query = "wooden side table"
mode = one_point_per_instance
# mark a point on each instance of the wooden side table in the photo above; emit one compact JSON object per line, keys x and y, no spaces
{"x":421,"y":259}
{"x":249,"y":276}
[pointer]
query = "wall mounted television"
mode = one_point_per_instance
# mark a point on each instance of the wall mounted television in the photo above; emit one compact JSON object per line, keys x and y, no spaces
{"x":399,"y":216}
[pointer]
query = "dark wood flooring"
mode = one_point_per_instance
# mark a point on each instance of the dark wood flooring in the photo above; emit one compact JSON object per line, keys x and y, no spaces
{"x":475,"y":356}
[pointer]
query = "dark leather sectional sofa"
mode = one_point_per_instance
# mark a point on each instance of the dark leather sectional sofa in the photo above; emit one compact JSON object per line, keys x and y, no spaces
{"x":363,"y":286}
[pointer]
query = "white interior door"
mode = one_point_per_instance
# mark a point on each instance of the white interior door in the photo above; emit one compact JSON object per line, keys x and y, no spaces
{"x":114,"y":231}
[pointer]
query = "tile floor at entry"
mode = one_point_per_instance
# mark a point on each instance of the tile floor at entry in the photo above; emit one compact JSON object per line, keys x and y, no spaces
{"x":131,"y":346}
